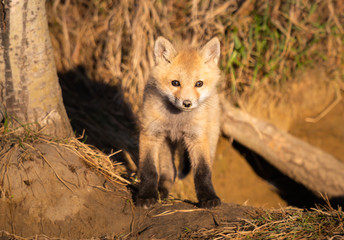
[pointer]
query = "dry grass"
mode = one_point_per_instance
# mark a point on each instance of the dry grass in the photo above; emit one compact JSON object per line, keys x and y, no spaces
{"x":288,"y":223}
{"x":23,"y":137}
{"x":263,"y":42}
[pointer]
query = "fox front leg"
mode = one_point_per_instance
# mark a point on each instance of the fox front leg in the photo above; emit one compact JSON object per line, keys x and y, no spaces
{"x":167,"y":168}
{"x":148,"y":173}
{"x":200,"y":159}
{"x":204,"y":187}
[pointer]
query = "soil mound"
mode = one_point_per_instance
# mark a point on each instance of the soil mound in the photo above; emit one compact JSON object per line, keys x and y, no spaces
{"x":49,"y":190}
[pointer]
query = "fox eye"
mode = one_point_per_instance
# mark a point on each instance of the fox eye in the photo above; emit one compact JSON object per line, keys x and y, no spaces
{"x":199,"y":84}
{"x":175,"y":83}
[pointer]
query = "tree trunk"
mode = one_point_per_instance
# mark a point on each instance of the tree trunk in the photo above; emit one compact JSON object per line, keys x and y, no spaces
{"x":29,"y":88}
{"x":318,"y":171}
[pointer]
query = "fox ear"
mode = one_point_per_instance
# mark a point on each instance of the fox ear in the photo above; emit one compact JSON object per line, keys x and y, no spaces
{"x":211,"y":50}
{"x":163,"y":50}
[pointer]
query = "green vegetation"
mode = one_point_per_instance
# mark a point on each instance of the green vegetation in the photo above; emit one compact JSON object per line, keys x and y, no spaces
{"x":275,"y":42}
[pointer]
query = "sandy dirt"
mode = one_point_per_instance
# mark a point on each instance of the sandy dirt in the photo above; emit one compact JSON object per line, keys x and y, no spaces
{"x":52,"y":192}
{"x":327,"y":133}
{"x":58,"y":196}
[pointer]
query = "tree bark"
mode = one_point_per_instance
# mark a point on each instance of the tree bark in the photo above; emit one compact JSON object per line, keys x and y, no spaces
{"x":29,"y":88}
{"x":318,"y":171}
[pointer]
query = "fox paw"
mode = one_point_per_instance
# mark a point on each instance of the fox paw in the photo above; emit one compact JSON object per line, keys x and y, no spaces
{"x":163,"y":193}
{"x":210,"y":203}
{"x":146,"y":202}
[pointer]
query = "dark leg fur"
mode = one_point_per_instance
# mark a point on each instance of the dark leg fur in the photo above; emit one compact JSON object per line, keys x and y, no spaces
{"x":148,"y":189}
{"x":204,"y":187}
{"x":184,"y":164}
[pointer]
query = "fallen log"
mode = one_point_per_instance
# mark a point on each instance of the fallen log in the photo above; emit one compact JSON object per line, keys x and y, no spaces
{"x":315,"y":169}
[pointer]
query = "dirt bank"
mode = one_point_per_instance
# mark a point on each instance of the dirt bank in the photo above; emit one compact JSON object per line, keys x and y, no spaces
{"x":48,"y":190}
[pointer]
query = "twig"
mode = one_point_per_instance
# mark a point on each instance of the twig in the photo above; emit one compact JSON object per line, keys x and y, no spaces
{"x":115,"y":153}
{"x":10,"y":235}
{"x":328,"y":109}
{"x":169,"y":212}
{"x":131,"y":164}
{"x":100,"y":187}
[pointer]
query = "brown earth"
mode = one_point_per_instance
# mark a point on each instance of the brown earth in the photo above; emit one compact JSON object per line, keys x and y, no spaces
{"x":49,"y":190}
{"x":57,"y":195}
{"x":327,"y":134}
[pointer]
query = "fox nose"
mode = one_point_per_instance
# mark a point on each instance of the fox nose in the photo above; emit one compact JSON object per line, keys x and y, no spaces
{"x":187,"y":103}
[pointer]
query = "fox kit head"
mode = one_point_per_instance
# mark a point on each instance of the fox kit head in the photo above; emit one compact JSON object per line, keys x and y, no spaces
{"x":188,"y":76}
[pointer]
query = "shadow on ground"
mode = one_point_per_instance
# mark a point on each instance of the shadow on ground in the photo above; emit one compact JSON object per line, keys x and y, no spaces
{"x":100,"y":111}
{"x":293,"y":193}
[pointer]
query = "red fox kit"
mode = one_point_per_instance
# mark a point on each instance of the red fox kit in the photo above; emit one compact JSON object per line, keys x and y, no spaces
{"x":180,"y":107}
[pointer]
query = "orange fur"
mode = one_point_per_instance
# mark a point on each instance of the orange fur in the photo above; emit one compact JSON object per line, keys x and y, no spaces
{"x":180,"y":106}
